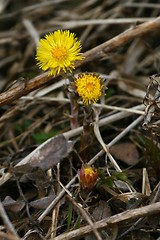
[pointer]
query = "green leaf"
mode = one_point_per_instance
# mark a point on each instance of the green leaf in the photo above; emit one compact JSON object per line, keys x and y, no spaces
{"x":42,"y":137}
{"x":23,"y":126}
{"x":110,"y":92}
{"x":69,"y":220}
{"x":77,"y":223}
{"x":120,"y":176}
{"x":106,"y":181}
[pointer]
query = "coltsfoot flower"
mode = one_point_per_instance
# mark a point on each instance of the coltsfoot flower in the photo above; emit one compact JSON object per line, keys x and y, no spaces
{"x":58,"y":51}
{"x":89,"y":87}
{"x":87,"y":177}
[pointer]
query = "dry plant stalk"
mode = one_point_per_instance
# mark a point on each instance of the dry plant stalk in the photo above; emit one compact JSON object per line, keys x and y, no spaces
{"x":152,"y":103}
{"x":10,"y":228}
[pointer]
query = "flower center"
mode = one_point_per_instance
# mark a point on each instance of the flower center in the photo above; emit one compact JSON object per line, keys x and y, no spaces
{"x":89,"y":171}
{"x":90,"y":87}
{"x":59,"y":52}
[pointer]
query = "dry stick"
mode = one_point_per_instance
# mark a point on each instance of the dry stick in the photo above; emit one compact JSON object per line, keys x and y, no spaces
{"x":24,"y":87}
{"x":96,"y":53}
{"x":104,"y":146}
{"x":7,"y":222}
{"x":125,"y":131}
{"x":31,"y":30}
{"x":66,"y":100}
{"x":113,"y":21}
{"x":55,"y":212}
{"x":118,"y":218}
{"x":142,"y":5}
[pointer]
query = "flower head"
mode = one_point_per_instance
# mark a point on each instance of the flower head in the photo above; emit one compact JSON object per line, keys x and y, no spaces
{"x":89,"y":87}
{"x":87,"y":177}
{"x":58,"y":51}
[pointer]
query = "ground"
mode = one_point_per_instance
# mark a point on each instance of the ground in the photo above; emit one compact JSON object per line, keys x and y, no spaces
{"x":80,"y":163}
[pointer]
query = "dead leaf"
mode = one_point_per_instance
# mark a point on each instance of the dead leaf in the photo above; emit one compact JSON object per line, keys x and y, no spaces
{"x":11,"y":205}
{"x":49,"y":154}
{"x":42,"y":203}
{"x":101,"y":211}
{"x":126,"y":152}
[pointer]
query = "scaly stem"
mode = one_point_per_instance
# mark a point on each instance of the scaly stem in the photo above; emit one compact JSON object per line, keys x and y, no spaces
{"x":87,"y":136}
{"x":73,"y":102}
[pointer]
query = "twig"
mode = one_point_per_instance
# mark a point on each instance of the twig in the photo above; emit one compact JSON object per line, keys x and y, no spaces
{"x":99,"y":138}
{"x":55,"y":212}
{"x":80,"y":23}
{"x":66,"y":100}
{"x":125,"y":131}
{"x":31,"y":30}
{"x":143,"y":5}
{"x":116,"y":219}
{"x":7,"y":222}
{"x":20,"y":89}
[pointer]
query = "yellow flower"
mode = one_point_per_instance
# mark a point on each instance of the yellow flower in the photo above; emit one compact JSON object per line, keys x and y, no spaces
{"x":58,"y":51}
{"x":89,"y":87}
{"x":87,"y":177}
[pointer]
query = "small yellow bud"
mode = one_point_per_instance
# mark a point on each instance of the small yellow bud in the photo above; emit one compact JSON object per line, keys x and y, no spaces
{"x":87,"y":177}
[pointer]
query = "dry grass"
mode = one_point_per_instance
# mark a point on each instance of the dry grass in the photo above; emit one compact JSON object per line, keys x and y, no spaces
{"x":40,"y":150}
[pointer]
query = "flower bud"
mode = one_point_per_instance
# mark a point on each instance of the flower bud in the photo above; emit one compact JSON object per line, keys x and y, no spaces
{"x":87,"y":177}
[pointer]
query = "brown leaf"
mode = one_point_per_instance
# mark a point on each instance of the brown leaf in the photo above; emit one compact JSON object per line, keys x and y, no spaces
{"x":39,"y":178}
{"x":49,"y":154}
{"x":12,"y":205}
{"x":101,"y":211}
{"x":42,"y":203}
{"x":126,"y":152}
